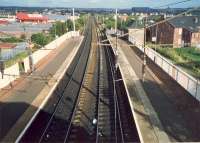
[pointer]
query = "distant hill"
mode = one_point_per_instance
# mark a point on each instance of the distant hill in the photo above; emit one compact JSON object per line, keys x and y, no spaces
{"x":196,"y":12}
{"x":151,"y":10}
{"x":13,"y":9}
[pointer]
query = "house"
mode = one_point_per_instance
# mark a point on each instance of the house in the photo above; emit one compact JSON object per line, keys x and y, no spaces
{"x":177,"y":32}
{"x":9,"y":50}
{"x":33,"y":18}
{"x":123,"y":17}
{"x":4,"y":48}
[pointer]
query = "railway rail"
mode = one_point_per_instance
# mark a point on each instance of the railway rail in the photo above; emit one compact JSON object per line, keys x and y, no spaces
{"x":125,"y":128}
{"x":81,"y":127}
{"x":51,"y":125}
{"x":89,"y":104}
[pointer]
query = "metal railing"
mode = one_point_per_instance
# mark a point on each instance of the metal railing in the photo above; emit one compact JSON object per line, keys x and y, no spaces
{"x":187,"y":81}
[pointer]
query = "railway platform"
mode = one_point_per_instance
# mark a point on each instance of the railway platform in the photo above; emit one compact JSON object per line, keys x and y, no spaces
{"x":163,"y":110}
{"x":21,"y":103}
{"x":148,"y":124}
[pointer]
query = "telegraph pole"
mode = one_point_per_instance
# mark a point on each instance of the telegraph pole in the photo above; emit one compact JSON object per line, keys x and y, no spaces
{"x":115,"y":74}
{"x":29,"y":49}
{"x":116,"y":48}
{"x":144,"y":57}
{"x":74,"y":21}
{"x":156,"y":42}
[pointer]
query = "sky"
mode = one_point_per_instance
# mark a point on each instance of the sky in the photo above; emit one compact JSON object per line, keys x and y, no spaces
{"x":96,"y":3}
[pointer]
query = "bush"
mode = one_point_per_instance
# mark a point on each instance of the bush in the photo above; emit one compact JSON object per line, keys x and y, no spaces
{"x":188,"y":58}
{"x":40,"y":39}
{"x":80,"y":23}
{"x":11,"y":40}
{"x":23,"y":36}
{"x":70,"y":25}
{"x":59,"y":28}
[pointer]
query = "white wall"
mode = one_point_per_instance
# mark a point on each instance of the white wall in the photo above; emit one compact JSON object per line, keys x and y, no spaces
{"x":7,"y":78}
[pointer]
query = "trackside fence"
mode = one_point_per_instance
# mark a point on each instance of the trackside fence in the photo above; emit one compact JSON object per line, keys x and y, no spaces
{"x":188,"y":82}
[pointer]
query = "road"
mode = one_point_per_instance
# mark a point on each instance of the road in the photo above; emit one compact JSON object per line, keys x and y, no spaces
{"x":177,"y":110}
{"x":15,"y":101}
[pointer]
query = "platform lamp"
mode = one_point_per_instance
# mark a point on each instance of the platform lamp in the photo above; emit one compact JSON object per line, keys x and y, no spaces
{"x":29,"y":48}
{"x":144,"y":46}
{"x":116,"y":45}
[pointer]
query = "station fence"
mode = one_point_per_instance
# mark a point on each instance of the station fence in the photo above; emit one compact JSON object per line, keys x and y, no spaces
{"x":187,"y":81}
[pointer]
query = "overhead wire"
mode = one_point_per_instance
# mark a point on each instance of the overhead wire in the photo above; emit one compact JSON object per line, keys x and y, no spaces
{"x":165,"y":20}
{"x":40,"y":77}
{"x":172,"y":4}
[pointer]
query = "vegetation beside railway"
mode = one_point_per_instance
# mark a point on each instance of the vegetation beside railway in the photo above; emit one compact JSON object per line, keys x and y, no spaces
{"x":188,"y":58}
{"x":39,"y":40}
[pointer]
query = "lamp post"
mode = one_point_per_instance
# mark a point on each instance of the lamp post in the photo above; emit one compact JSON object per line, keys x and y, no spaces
{"x":115,"y":74}
{"x":116,"y":46}
{"x":74,"y":26}
{"x":29,"y":49}
{"x":55,"y":30}
{"x":144,"y":56}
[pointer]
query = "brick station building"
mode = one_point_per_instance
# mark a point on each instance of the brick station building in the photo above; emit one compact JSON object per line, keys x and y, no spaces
{"x":178,"y":32}
{"x":35,"y":18}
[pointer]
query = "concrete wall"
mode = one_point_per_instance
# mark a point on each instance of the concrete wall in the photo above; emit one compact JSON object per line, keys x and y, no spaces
{"x":10,"y":74}
{"x":188,"y":82}
{"x":136,"y":34}
{"x":26,"y":64}
{"x":13,"y":72}
{"x":38,"y":55}
{"x":195,"y":39}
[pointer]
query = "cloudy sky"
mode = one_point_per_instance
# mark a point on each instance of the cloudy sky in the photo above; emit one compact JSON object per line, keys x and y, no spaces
{"x":96,"y":3}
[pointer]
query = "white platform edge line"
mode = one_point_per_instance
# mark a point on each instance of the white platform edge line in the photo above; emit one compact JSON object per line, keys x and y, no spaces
{"x":132,"y":108}
{"x":73,"y":53}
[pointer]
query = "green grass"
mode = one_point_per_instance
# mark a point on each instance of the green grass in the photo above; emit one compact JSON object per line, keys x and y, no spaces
{"x":187,"y":58}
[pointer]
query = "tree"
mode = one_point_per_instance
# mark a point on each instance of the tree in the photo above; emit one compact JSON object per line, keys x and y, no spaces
{"x":59,"y":28}
{"x":69,"y":24}
{"x":23,"y":36}
{"x":40,"y":39}
{"x":80,"y":23}
{"x":110,"y":23}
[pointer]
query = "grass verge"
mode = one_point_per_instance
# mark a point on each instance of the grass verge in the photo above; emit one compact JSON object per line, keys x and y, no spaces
{"x":187,"y":58}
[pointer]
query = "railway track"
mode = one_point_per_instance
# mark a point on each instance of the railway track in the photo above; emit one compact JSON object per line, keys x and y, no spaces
{"x":86,"y":106}
{"x":106,"y":116}
{"x":124,"y":128}
{"x":95,"y":117}
{"x":57,"y":118}
{"x":81,"y":127}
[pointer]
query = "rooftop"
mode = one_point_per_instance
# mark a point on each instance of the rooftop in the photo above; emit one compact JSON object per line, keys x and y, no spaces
{"x":191,"y":23}
{"x":26,"y":16}
{"x":7,"y":46}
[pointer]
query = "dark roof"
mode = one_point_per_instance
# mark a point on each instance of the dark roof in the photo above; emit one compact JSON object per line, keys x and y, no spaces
{"x":7,"y":46}
{"x":136,"y":24}
{"x":187,"y":22}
